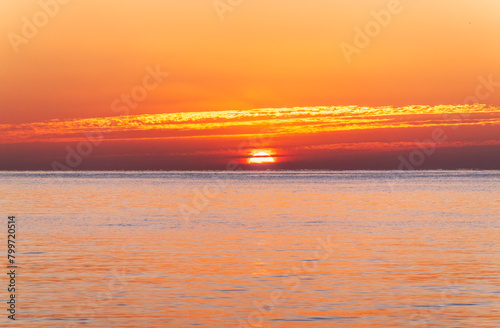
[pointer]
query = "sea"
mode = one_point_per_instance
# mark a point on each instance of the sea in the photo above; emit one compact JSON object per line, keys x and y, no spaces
{"x":252,"y":249}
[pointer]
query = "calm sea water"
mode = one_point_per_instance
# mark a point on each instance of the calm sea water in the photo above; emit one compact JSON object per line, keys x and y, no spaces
{"x":254,"y":249}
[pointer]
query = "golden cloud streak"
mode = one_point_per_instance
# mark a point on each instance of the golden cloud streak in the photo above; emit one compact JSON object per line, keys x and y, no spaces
{"x":299,"y":120}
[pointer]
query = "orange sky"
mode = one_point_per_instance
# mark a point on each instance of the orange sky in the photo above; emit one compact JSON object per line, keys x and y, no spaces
{"x":265,"y":53}
{"x":97,"y":59}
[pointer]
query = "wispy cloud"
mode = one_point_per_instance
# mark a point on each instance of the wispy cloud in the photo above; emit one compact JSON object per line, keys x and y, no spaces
{"x":299,"y":120}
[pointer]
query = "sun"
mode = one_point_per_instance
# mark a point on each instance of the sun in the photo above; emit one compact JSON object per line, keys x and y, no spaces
{"x":261,"y":158}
